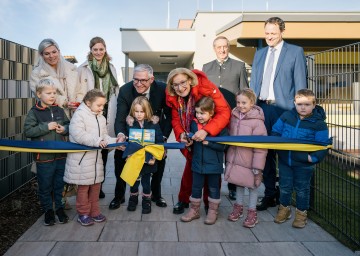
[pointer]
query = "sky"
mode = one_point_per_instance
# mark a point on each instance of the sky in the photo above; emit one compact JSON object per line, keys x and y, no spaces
{"x":72,"y":23}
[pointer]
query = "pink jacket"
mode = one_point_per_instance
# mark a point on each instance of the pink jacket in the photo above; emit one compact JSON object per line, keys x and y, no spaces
{"x":243,"y":159}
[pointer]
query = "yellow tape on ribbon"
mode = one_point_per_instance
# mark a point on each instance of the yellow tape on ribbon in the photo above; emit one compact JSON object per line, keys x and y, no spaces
{"x":136,"y":161}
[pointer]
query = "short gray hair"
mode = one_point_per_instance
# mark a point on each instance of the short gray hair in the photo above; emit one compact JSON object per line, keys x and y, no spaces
{"x":46,"y":43}
{"x":144,"y":67}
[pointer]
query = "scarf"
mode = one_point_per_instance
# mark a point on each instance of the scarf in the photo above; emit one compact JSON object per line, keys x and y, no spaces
{"x":186,"y":112}
{"x":103,"y":71}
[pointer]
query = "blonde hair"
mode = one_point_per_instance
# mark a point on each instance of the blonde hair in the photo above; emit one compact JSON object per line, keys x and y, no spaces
{"x":191,"y":75}
{"x":46,"y":82}
{"x":248,"y":93}
{"x":306,"y":93}
{"x":145,"y":104}
{"x":92,"y":95}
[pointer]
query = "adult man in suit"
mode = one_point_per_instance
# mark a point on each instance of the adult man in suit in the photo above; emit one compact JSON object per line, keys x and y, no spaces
{"x":278,"y":72}
{"x":143,"y":83}
{"x":229,"y":75}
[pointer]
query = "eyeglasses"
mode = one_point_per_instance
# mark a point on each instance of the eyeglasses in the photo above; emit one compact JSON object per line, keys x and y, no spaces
{"x":142,"y":81}
{"x":182,"y":84}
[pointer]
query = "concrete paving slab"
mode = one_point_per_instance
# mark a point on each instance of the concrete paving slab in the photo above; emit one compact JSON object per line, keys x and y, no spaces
{"x":30,"y":248}
{"x":95,"y":249}
{"x":71,"y":231}
{"x":221,"y":231}
{"x":180,"y":248}
{"x":139,"y":231}
{"x":272,"y":232}
{"x":328,"y":248}
{"x":266,"y":249}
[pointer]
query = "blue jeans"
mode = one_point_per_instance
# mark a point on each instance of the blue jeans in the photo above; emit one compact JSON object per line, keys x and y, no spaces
{"x":145,"y":183}
{"x":298,"y":179}
{"x":213,"y":184}
{"x":50,"y":177}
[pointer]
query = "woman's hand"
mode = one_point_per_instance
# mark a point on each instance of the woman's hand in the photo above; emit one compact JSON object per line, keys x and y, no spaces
{"x":185,"y":139}
{"x":200,"y":135}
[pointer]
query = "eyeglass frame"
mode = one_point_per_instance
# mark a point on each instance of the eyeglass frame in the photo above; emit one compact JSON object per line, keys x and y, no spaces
{"x":142,"y":81}
{"x":182,"y":84}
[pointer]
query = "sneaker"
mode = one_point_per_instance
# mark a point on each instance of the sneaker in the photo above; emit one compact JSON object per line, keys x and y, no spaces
{"x":49,"y":218}
{"x":99,"y":218}
{"x":237,"y":212}
{"x":251,"y":219}
{"x":283,"y":214}
{"x":62,"y":217}
{"x":85,"y":220}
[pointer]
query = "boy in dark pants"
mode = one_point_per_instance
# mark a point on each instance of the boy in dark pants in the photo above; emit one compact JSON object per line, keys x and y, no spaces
{"x":44,"y":122}
{"x":306,"y":122}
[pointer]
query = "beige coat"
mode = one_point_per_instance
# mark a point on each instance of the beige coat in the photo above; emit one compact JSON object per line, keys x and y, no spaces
{"x":87,"y":83}
{"x":66,"y":89}
{"x":86,"y":128}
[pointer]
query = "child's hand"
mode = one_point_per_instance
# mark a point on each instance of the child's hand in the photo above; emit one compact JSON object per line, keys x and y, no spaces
{"x":205,"y":142}
{"x":103,"y":144}
{"x":151,"y":161}
{"x":257,"y":179}
{"x":309,"y":159}
{"x":60,"y":129}
{"x":121,"y":138}
{"x":52,"y":126}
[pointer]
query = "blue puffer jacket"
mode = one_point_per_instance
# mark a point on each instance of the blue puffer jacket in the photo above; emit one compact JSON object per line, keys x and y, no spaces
{"x":207,"y":159}
{"x":312,"y":128}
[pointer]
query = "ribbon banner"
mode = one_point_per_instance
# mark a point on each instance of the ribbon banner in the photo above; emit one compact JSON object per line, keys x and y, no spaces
{"x":136,"y":152}
{"x":271,"y":142}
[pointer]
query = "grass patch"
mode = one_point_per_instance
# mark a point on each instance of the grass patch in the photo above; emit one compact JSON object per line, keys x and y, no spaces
{"x":335,"y":201}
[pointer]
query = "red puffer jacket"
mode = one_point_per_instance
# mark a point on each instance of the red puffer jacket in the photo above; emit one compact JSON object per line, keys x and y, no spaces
{"x":204,"y":88}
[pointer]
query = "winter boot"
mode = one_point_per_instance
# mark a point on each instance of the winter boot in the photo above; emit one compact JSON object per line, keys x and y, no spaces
{"x":237,"y":212}
{"x":133,"y":202}
{"x":194,"y":211}
{"x":146,"y":204}
{"x":283,"y":214}
{"x":300,"y":219}
{"x":211,"y":217}
{"x":251,"y":219}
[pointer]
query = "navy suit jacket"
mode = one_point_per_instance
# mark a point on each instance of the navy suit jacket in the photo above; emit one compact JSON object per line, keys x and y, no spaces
{"x":290,"y":74}
{"x":157,"y":98}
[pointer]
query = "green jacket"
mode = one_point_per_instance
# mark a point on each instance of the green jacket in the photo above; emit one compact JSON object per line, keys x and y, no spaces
{"x":36,"y":128}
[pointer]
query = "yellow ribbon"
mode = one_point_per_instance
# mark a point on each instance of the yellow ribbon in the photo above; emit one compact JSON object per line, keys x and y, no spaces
{"x":279,"y":146}
{"x":135,"y":162}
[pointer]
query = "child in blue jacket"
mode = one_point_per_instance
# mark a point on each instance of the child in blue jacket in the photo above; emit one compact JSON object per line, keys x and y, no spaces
{"x":307,"y":122}
{"x":207,"y":163}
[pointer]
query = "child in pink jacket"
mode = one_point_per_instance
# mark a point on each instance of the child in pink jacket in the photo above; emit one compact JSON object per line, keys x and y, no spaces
{"x":244,"y":165}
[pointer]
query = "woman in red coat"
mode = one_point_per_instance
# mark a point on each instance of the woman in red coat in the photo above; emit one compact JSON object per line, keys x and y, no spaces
{"x":184,"y":88}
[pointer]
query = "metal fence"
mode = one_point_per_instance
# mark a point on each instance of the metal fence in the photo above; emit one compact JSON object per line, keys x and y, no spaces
{"x":334,"y":76}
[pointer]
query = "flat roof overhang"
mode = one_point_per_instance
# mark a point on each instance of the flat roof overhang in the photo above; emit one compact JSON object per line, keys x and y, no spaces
{"x":164,"y":49}
{"x":312,"y":31}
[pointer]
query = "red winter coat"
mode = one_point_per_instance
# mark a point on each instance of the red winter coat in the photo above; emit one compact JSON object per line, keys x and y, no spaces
{"x":204,"y":88}
{"x":242,"y":159}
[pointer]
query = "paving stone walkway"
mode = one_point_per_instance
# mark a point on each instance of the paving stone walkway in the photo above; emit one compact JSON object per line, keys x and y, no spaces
{"x":162,"y":233}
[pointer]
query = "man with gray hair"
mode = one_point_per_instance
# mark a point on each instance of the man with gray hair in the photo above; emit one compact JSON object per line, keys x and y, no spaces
{"x":143,"y":84}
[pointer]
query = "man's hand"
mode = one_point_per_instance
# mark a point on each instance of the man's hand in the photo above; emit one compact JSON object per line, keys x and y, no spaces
{"x":121,"y":138}
{"x":52,"y":126}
